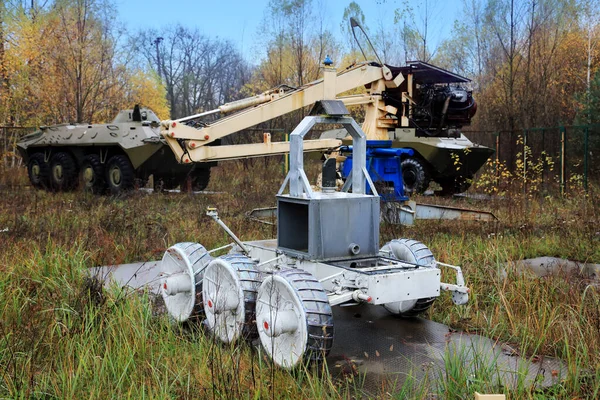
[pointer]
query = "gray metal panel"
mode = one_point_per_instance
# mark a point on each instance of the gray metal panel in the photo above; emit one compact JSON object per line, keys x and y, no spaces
{"x":334,"y":108}
{"x":324,"y":227}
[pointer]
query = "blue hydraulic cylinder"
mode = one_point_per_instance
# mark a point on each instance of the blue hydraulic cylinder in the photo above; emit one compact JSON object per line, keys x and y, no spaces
{"x":383,"y":165}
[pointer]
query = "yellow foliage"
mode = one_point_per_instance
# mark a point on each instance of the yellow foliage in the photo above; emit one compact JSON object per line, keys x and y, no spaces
{"x":64,"y":66}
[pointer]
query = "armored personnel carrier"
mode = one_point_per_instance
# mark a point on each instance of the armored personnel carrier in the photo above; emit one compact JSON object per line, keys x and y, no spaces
{"x":108,"y":158}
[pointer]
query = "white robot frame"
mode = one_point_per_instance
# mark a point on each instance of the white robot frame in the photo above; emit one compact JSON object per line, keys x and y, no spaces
{"x":326,"y":254}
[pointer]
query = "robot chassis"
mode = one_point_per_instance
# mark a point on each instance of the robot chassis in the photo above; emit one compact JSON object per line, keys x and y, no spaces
{"x":326,"y":254}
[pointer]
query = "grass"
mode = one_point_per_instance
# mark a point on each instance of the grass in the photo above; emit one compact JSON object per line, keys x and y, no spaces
{"x":61,"y":336}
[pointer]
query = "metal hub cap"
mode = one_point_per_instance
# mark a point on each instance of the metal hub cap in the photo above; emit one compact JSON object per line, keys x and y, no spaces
{"x":410,"y":177}
{"x":115,"y":176}
{"x":281,"y":321}
{"x":88,"y":175}
{"x":223,"y":300}
{"x":57,"y":171}
{"x":177,"y":285}
{"x":35,"y":170}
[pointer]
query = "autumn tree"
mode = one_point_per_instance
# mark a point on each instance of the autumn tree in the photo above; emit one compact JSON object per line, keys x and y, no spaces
{"x":65,"y":64}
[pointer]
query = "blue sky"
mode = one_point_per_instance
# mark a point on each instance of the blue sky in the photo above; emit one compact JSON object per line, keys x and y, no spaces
{"x":238,"y":20}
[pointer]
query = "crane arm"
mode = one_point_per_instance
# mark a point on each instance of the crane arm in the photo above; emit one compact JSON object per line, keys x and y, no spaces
{"x":270,"y":105}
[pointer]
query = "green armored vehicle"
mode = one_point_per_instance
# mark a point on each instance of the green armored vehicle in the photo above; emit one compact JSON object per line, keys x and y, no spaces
{"x":107,"y":158}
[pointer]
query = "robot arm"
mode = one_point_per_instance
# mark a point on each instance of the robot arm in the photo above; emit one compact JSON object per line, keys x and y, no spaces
{"x":190,"y":144}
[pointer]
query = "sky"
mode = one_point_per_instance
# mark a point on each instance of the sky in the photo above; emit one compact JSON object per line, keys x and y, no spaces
{"x":239,"y":21}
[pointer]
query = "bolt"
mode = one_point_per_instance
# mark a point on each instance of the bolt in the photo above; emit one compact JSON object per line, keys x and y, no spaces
{"x":206,"y":137}
{"x":174,"y":124}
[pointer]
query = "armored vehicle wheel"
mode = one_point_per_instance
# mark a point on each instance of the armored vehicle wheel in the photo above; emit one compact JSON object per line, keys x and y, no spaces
{"x":200,"y":179}
{"x":63,"y":172}
{"x":195,"y":181}
{"x":182,"y":269}
{"x":120,"y":175}
{"x":38,"y":171}
{"x":415,"y":175}
{"x":414,"y":252}
{"x":91,"y":174}
{"x":454,"y":185}
{"x":229,"y":290}
{"x":294,"y":318}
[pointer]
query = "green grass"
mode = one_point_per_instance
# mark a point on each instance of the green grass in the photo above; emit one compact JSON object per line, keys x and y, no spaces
{"x":61,"y":336}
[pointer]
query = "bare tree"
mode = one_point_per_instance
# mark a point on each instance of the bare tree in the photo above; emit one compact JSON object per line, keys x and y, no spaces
{"x":199,"y":73}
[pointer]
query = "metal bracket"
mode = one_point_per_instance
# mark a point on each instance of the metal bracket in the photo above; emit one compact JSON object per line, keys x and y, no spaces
{"x":214,"y":214}
{"x":296,"y":177}
{"x":460,"y":293}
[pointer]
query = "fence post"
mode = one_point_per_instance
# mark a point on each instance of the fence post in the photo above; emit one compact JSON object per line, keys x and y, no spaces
{"x":563,"y":148}
{"x":586,"y":136}
{"x":286,"y":157}
{"x":524,"y":160}
{"x":496,"y":169}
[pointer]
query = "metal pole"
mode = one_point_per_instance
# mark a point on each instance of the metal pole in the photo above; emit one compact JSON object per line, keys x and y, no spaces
{"x":286,"y":163}
{"x":524,"y":160}
{"x":212,"y":212}
{"x":542,"y":154}
{"x":586,"y":136}
{"x":497,"y":156}
{"x":563,"y":144}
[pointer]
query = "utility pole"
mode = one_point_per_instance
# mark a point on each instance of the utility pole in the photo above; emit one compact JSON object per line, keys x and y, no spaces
{"x":156,"y":43}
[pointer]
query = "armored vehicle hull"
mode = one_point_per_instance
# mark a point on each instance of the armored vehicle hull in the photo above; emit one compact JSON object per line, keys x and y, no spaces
{"x":107,"y":158}
{"x":452,"y":162}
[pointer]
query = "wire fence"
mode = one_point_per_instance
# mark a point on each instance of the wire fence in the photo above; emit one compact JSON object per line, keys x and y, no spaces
{"x":557,"y":158}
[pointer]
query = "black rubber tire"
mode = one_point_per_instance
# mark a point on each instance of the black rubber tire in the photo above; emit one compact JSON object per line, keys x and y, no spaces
{"x":415,"y":252}
{"x":64,"y":173}
{"x":119,"y":175}
{"x":415,"y":175}
{"x":91,"y":175}
{"x":200,"y":178}
{"x":38,"y":171}
{"x":454,"y":185}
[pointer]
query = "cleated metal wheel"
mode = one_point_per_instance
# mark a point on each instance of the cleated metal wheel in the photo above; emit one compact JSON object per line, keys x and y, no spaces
{"x":414,"y":252}
{"x":294,"y":318}
{"x":63,"y":172}
{"x":38,"y":171}
{"x":229,"y":290}
{"x":182,"y":268}
{"x":415,"y":175}
{"x":120,"y":176}
{"x":91,"y":174}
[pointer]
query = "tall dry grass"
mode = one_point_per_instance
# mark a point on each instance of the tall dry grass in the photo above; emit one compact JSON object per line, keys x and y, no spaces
{"x":62,"y":336}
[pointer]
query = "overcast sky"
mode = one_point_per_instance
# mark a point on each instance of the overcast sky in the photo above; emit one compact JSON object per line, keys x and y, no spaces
{"x":239,"y":20}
